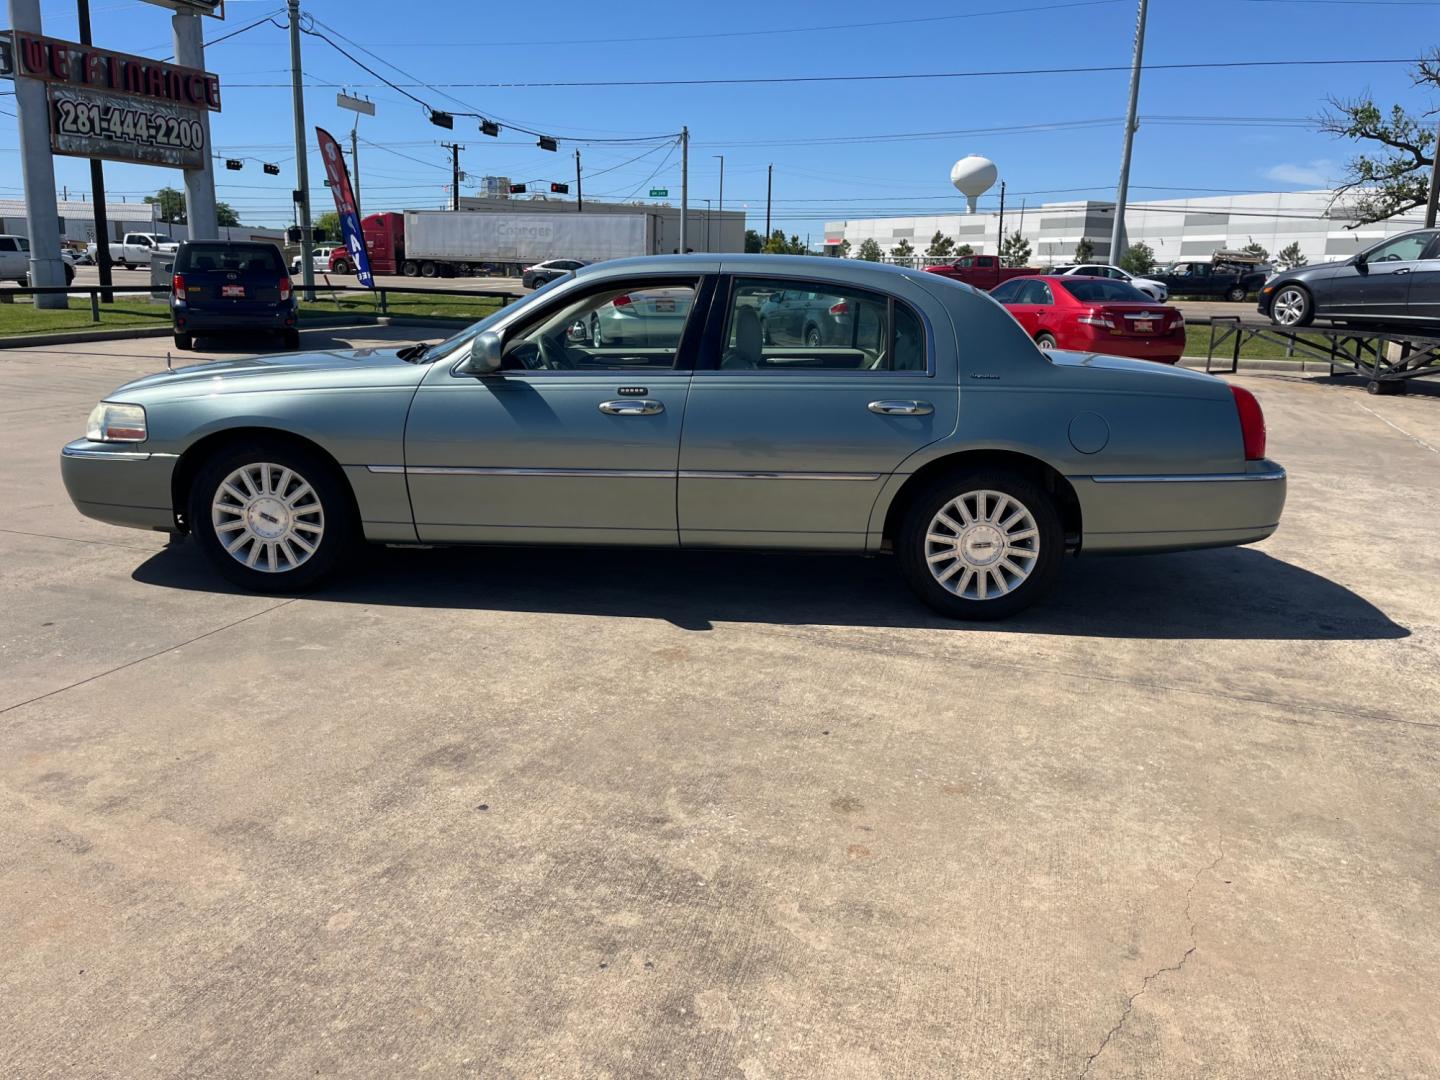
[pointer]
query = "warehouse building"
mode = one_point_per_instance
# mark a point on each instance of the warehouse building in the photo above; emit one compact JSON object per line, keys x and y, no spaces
{"x":77,"y":222}
{"x":1193,"y":228}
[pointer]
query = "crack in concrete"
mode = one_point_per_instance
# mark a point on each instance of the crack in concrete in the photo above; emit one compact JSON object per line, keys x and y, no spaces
{"x":1169,"y":968}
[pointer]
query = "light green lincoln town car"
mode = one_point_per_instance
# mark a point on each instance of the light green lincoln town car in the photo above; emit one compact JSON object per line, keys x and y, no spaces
{"x":729,"y":401}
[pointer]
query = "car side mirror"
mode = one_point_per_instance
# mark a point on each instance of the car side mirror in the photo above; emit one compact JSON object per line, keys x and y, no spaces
{"x":1361,"y":260}
{"x":485,"y":354}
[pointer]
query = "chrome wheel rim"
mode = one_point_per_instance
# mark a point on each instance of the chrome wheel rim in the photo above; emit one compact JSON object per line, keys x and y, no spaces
{"x":267,"y":517}
{"x":1289,"y":307}
{"x":1045,"y":342}
{"x":982,"y":545}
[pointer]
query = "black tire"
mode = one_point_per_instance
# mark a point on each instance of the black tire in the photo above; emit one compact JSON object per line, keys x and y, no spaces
{"x":812,"y":337}
{"x":342,"y":266}
{"x":69,"y":274}
{"x":326,"y":483}
{"x":1302,"y":297}
{"x":1046,"y":341}
{"x":429,"y":269}
{"x":1386,"y":388}
{"x":912,"y":546}
{"x":184,"y":342}
{"x":290,"y":339}
{"x":1236,"y":295}
{"x":410,"y":268}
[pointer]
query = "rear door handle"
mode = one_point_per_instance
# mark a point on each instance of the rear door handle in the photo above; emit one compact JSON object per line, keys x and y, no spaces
{"x":632,"y":407}
{"x":902,"y":408}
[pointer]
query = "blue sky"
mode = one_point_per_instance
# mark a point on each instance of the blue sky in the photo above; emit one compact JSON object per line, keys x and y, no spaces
{"x":848,"y":172}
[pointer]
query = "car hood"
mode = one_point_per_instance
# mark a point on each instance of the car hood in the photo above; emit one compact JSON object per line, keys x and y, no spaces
{"x":329,"y":370}
{"x":1081,"y":369}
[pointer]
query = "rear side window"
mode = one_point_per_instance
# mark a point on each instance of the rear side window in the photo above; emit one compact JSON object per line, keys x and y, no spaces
{"x":231,"y":258}
{"x":1103,"y":289}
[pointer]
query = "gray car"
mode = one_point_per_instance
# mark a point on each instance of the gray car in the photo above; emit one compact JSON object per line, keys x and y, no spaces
{"x":935,"y":431}
{"x":1394,"y":282}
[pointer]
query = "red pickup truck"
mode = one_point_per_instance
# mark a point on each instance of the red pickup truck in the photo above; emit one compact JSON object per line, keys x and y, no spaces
{"x":981,"y":271}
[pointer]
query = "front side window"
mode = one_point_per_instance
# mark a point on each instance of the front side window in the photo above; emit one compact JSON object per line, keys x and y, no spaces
{"x":1401,"y":249}
{"x":634,"y":326}
{"x":779,"y":326}
{"x":7,"y":243}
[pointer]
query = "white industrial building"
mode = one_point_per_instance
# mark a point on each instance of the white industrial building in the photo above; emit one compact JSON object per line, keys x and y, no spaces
{"x":1193,"y":228}
{"x":77,"y":222}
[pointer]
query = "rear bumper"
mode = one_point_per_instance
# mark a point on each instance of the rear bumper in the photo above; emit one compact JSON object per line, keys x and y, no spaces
{"x":191,"y":321}
{"x":119,"y":484}
{"x":1165,"y":350}
{"x":1172,"y":513}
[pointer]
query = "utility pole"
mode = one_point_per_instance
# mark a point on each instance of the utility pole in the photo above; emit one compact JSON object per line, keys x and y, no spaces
{"x":355,"y":161}
{"x":1117,"y":228}
{"x":579,"y":195}
{"x":769,"y":181}
{"x":1001,"y":242}
{"x":1434,"y":202}
{"x":302,"y":167}
{"x":37,"y":166}
{"x":97,"y":187}
{"x":722,"y":201}
{"x":454,"y":149}
{"x":684,"y":188}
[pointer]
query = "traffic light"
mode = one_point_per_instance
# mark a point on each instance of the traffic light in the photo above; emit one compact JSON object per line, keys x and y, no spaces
{"x":489,"y":127}
{"x":547,"y":143}
{"x":234,"y":164}
{"x":271,"y":170}
{"x":560,"y":189}
{"x":517,"y":189}
{"x":442,"y":119}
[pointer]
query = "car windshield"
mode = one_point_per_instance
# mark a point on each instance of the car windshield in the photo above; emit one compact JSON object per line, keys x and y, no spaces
{"x":1102,"y":289}
{"x":455,"y":341}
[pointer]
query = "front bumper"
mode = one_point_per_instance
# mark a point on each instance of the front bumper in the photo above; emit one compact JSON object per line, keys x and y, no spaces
{"x":1174,"y":513}
{"x":120,"y":484}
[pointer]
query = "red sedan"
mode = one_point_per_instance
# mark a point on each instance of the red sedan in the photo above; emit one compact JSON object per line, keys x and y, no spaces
{"x":1094,"y":315}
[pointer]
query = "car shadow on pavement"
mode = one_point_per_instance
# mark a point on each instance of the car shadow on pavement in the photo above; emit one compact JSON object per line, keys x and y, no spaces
{"x":1228,"y":594}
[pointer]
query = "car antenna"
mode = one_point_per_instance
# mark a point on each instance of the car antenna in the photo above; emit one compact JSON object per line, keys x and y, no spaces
{"x":168,"y":367}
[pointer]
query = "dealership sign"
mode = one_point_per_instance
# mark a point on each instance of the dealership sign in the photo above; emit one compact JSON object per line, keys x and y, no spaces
{"x":337,"y":179}
{"x":113,"y":105}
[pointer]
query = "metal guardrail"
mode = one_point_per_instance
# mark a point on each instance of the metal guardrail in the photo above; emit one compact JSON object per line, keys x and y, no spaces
{"x":381,"y":292}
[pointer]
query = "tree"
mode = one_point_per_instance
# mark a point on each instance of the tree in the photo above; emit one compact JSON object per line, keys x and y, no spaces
{"x":225,"y":215}
{"x":778,"y":245}
{"x":845,"y":248}
{"x":1392,"y":173}
{"x":1290,"y":257}
{"x":903,"y":250}
{"x":1255,"y":249}
{"x":796,"y":246}
{"x":1139,"y":259}
{"x":330,"y":222}
{"x":940,"y":246}
{"x":869,"y":250}
{"x":170,"y":203}
{"x":963,"y":249}
{"x":753,"y":243}
{"x":1015,"y":251}
{"x":1084,"y":250}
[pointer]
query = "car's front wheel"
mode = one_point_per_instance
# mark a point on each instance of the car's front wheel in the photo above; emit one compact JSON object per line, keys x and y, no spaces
{"x":185,"y":342}
{"x":982,"y":544}
{"x":270,"y":518}
{"x":1291,"y":307}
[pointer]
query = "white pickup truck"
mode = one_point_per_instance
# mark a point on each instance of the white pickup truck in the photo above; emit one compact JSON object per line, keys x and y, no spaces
{"x":15,"y":261}
{"x":138,"y":248}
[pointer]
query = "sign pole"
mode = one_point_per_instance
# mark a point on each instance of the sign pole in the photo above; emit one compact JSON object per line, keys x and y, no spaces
{"x":42,"y":216}
{"x":97,"y":187}
{"x":355,"y":158}
{"x":200,"y":210}
{"x":684,"y":188}
{"x":302,"y":168}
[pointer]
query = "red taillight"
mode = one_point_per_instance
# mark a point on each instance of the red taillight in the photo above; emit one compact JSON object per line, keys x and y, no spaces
{"x":1252,"y":423}
{"x":621,"y":301}
{"x":1097,"y":317}
{"x":177,"y":285}
{"x":842,"y":308}
{"x":284,"y":289}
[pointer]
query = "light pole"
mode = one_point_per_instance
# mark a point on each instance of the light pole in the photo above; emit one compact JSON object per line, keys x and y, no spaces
{"x":707,"y":224}
{"x":1122,"y":190}
{"x":722,"y":199}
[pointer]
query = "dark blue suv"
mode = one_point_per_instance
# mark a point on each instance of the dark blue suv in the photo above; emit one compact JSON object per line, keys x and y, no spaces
{"x":231,"y":287}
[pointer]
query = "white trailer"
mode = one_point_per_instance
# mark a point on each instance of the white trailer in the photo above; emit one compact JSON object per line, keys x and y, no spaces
{"x":459,"y":241}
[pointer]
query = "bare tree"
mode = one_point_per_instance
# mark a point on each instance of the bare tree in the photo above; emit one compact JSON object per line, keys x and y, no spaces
{"x":1394,"y":176}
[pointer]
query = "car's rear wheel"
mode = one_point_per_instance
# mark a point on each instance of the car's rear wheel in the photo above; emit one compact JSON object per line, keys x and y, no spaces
{"x":290,"y":339}
{"x":981,"y":544}
{"x":410,"y":268}
{"x":1291,"y":307}
{"x":1236,"y":295}
{"x":184,"y":342}
{"x":270,"y":518}
{"x":812,"y":338}
{"x":1046,"y":341}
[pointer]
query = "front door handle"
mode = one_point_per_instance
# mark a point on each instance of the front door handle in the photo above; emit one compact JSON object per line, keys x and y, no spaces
{"x":632,"y":407}
{"x":1404,"y":270}
{"x":902,"y":408}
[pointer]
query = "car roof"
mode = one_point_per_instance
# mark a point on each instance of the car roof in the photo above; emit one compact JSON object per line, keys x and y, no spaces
{"x":855,"y":271}
{"x":228,"y":243}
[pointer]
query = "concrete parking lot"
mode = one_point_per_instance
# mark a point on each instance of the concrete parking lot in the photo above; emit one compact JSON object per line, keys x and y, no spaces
{"x":584,"y":813}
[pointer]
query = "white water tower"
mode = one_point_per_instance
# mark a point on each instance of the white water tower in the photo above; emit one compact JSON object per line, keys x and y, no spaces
{"x":973,"y":176}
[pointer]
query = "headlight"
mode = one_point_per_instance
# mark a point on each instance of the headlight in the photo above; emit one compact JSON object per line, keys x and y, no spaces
{"x":112,"y":422}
